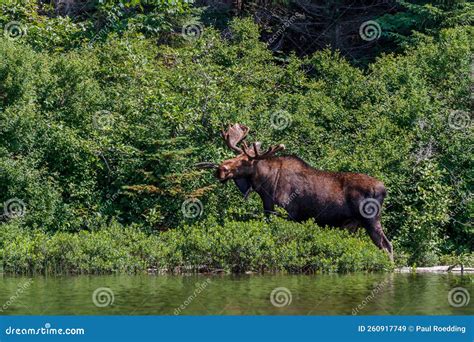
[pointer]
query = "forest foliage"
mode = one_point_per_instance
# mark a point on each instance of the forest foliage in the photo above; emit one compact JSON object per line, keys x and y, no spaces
{"x":103,"y":115}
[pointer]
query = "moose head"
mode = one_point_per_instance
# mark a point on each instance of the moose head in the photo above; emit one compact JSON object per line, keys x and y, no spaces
{"x":243,"y":165}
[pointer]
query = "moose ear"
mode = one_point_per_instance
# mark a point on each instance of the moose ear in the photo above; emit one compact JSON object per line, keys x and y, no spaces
{"x":244,"y":186}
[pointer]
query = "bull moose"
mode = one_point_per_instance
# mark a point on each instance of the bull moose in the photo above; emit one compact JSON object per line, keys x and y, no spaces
{"x":338,"y":199}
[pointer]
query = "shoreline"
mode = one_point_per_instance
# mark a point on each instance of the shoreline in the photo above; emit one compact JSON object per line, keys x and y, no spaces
{"x":436,"y":269}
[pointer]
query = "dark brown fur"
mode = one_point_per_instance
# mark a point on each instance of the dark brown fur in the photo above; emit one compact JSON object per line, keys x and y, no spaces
{"x":340,"y":199}
{"x":331,"y":198}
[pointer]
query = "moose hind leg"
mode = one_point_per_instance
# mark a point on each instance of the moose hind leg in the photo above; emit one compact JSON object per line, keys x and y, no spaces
{"x":374,"y":229}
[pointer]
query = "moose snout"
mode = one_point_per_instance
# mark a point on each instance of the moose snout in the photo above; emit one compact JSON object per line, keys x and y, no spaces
{"x":222,"y":172}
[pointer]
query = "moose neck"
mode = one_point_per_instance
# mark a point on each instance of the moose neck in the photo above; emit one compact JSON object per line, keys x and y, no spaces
{"x":265,"y":177}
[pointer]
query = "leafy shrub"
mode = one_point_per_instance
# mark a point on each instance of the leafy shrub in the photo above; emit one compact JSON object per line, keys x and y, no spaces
{"x":59,"y":26}
{"x":236,"y":247}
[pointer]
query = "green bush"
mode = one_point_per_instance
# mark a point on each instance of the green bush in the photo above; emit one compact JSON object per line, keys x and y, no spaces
{"x":50,"y":25}
{"x":234,"y":247}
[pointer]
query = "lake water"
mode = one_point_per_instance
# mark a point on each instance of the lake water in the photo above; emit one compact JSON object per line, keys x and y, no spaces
{"x":363,"y":294}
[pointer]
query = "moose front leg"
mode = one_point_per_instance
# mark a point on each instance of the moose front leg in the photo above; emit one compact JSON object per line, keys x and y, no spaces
{"x":268,"y":204}
{"x":374,"y":228}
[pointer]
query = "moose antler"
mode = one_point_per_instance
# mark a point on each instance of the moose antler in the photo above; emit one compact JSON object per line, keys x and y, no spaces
{"x":234,"y":135}
{"x":254,"y":153}
{"x":237,"y":133}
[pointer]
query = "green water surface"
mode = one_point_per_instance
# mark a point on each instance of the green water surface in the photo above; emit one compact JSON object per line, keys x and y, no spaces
{"x":362,"y":294}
